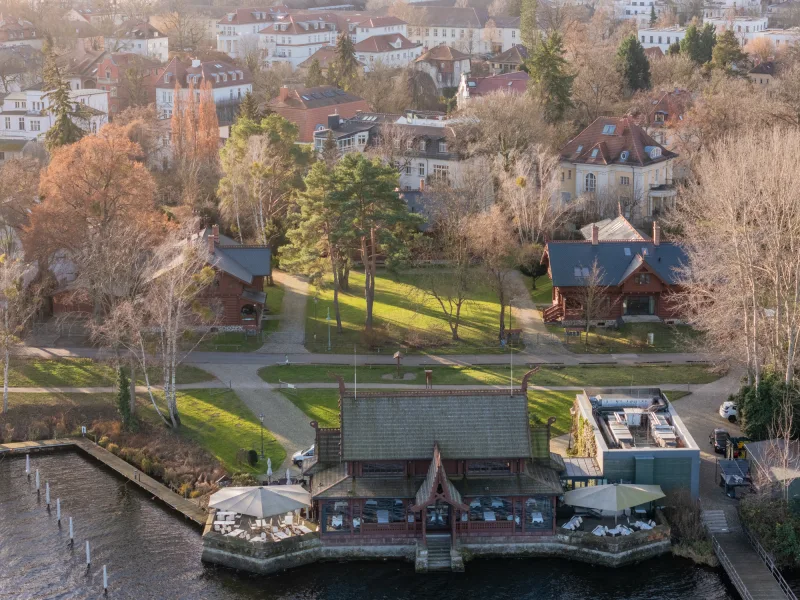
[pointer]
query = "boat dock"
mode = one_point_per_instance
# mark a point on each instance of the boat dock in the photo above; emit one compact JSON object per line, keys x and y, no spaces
{"x":749,"y":567}
{"x":186,"y":507}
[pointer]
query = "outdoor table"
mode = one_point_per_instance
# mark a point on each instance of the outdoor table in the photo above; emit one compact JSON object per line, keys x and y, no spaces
{"x":235,"y":533}
{"x":281,"y":535}
{"x":304,"y":529}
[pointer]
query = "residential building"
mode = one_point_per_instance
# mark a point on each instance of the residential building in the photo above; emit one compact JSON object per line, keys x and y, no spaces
{"x":308,"y":108}
{"x":325,"y":56}
{"x":618,"y":228}
{"x":470,"y":30}
{"x":775,"y":468}
{"x":471,"y":88}
{"x":229,"y":84}
{"x":373,"y":26}
{"x":782,"y":38}
{"x":662,"y":113}
{"x":422,"y":144}
{"x":238,"y":286}
{"x":614,"y":163}
{"x":653,"y":53}
{"x":130,"y":79}
{"x":746,"y":28}
{"x":444,"y":64}
{"x":105,"y":19}
{"x":88,"y":35}
{"x":638,"y":438}
{"x":661,"y":37}
{"x":763,"y":73}
{"x":25,"y":115}
{"x":484,"y":477}
{"x":139,"y":38}
{"x":639,"y":11}
{"x":15,"y":31}
{"x":20,"y":68}
{"x":238,"y":31}
{"x":389,"y":50}
{"x":509,"y":61}
{"x":638,"y":279}
{"x":295,"y":38}
{"x":11,"y":149}
{"x":79,"y":66}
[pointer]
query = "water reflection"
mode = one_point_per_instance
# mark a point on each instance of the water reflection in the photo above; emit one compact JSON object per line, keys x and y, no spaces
{"x":151,"y":553}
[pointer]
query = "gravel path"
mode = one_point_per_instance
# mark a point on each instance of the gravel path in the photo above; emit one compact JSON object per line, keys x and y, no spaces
{"x":288,"y":423}
{"x":292,"y":328}
{"x":529,"y":319}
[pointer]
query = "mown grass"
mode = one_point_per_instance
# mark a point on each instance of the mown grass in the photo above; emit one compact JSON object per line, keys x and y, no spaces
{"x":81,"y":372}
{"x":405,"y":316}
{"x":543,"y":294}
{"x":321,"y":406}
{"x":631,"y":337}
{"x":497,"y":375}
{"x":275,"y":294}
{"x":222,"y":424}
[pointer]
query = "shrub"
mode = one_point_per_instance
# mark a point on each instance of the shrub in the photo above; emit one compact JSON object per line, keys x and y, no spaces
{"x":185,"y":489}
{"x":103,"y":441}
{"x":113,"y":448}
{"x":243,"y":479}
{"x":8,"y":434}
{"x":775,"y":524}
{"x":146,"y":465}
{"x":195,"y":494}
{"x":252,"y":457}
{"x":38,"y":431}
{"x":157,"y":470}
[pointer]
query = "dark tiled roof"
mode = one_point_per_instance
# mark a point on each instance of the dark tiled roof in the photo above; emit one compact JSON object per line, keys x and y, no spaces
{"x":614,"y":229}
{"x":328,"y":444}
{"x":516,"y":55}
{"x":243,"y":262}
{"x":440,"y":53}
{"x":405,"y":425}
{"x":765,"y":68}
{"x":445,"y":16}
{"x":380,"y":22}
{"x":611,"y":256}
{"x":325,"y":56}
{"x":625,"y":136}
{"x":654,"y":52}
{"x":140,"y":30}
{"x":367,"y":487}
{"x":515,"y":82}
{"x":308,"y":98}
{"x":246,"y":16}
{"x":535,"y":480}
{"x":178,"y":70}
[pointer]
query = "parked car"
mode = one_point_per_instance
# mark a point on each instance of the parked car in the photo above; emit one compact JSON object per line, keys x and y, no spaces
{"x":728,"y":410}
{"x":719,"y":439}
{"x":299,"y":457}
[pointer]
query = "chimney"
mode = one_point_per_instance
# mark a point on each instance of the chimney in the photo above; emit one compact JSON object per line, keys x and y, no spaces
{"x":656,"y":234}
{"x":211,"y":242}
{"x":333,"y":121}
{"x":195,"y":62}
{"x":215,"y":232}
{"x":283,"y":94}
{"x":595,"y":235}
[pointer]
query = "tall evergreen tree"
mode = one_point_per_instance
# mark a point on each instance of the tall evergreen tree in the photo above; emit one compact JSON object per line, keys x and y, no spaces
{"x":632,"y":64}
{"x":653,"y":17}
{"x":549,"y":77}
{"x":674,"y":49}
{"x":708,"y":39}
{"x":529,"y":31}
{"x":64,"y":130}
{"x":248,"y":108}
{"x":343,"y":72}
{"x":330,"y":153}
{"x":124,"y":400}
{"x":314,"y":76}
{"x":690,"y":44}
{"x":728,"y":54}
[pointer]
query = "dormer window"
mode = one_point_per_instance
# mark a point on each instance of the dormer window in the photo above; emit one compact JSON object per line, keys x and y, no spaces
{"x":594,"y":153}
{"x":442,"y":147}
{"x":609,"y":129}
{"x":579,"y":150}
{"x":167,"y":77}
{"x":655,"y":153}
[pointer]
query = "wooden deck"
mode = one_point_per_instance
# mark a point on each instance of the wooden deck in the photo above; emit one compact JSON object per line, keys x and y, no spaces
{"x":187,"y":507}
{"x":744,"y":565}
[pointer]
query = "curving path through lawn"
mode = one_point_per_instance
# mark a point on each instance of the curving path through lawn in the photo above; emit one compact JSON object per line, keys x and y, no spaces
{"x":290,"y":337}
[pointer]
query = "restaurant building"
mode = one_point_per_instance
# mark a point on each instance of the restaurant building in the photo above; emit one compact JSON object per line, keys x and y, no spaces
{"x":444,"y":470}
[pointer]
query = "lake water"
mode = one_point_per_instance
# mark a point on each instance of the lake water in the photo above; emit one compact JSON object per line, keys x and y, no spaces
{"x":152,"y":554}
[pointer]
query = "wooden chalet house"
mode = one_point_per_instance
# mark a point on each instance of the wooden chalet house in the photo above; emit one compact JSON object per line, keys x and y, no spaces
{"x":238,"y":287}
{"x":461,"y":465}
{"x":638,"y":275}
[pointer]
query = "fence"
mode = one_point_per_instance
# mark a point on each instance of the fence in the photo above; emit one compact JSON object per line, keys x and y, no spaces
{"x":730,"y":570}
{"x":770,"y":562}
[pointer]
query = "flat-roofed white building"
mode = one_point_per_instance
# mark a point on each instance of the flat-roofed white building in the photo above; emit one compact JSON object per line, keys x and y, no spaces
{"x":661,"y":37}
{"x":295,"y":38}
{"x":745,"y":29}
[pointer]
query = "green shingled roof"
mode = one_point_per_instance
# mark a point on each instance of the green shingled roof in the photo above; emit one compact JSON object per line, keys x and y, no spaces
{"x":405,"y":425}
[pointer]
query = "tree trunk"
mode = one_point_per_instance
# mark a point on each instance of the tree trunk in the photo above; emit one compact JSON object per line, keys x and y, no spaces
{"x":337,"y":284}
{"x":6,"y":360}
{"x":457,"y":322}
{"x":368,"y":257}
{"x":344,"y":275}
{"x":133,"y":389}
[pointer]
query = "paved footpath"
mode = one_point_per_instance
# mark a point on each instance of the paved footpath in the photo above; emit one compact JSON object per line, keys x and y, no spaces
{"x":290,"y":336}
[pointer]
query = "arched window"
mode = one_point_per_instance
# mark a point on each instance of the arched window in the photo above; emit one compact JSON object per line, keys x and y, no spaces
{"x":591,"y":182}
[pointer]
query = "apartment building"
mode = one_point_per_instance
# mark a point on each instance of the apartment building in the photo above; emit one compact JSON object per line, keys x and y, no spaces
{"x":129,"y":79}
{"x":237,"y":31}
{"x":15,"y":31}
{"x":295,"y":38}
{"x":746,"y":28}
{"x":469,"y":30}
{"x":389,"y":50}
{"x":661,"y":37}
{"x":139,"y":38}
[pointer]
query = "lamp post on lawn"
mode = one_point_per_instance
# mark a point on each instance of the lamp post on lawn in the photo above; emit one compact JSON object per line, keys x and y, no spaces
{"x":328,"y":319}
{"x":315,"y":308}
{"x":261,"y":418}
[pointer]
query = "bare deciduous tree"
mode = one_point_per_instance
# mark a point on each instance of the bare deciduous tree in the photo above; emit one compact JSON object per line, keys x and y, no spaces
{"x":593,"y":296}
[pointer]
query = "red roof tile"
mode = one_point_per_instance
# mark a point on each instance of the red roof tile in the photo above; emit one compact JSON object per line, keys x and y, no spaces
{"x":385,"y":43}
{"x":515,"y":82}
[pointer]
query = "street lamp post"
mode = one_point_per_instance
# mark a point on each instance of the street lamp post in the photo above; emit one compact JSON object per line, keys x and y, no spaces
{"x":261,"y":418}
{"x":328,"y":319}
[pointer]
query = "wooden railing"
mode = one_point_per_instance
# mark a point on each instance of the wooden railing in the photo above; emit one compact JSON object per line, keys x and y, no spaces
{"x":730,"y":570}
{"x":370,"y":527}
{"x":770,"y":562}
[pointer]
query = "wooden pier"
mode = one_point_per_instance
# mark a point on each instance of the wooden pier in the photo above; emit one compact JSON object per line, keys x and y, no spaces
{"x":186,"y":507}
{"x":749,"y":567}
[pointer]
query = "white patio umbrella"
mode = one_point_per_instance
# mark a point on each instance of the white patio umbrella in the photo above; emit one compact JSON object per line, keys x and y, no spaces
{"x":261,"y":502}
{"x":269,"y":468}
{"x":288,"y":477}
{"x":613,"y":496}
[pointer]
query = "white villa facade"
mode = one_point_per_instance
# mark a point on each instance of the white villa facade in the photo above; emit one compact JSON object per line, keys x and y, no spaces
{"x":663,"y":37}
{"x":142,"y":39}
{"x":25,"y":115}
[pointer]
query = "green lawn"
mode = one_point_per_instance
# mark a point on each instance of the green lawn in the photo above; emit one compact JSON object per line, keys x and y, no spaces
{"x":321,"y":406}
{"x":543,"y":294}
{"x":275,"y":295}
{"x":404,"y":317}
{"x":221,"y":423}
{"x":631,"y":337}
{"x":498,"y":375}
{"x":80,"y":372}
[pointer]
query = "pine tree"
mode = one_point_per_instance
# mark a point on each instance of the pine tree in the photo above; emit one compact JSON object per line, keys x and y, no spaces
{"x":314,"y":76}
{"x":344,"y":70}
{"x":248,"y":108}
{"x":674,"y":49}
{"x":529,"y":31}
{"x":708,"y":39}
{"x":330,"y":153}
{"x":690,"y":44}
{"x":124,"y":400}
{"x":728,"y":54}
{"x":64,"y":130}
{"x":632,"y":64}
{"x":549,"y":77}
{"x":653,"y":17}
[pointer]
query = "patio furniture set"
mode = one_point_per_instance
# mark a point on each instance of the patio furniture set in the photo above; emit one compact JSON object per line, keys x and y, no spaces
{"x":258,"y":530}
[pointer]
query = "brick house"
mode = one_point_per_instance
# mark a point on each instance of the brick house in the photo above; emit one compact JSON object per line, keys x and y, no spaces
{"x":308,"y":108}
{"x":444,"y":64}
{"x":111,"y":76}
{"x":637,"y":276}
{"x":15,"y":31}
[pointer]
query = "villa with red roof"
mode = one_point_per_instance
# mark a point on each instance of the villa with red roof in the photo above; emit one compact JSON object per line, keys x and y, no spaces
{"x":474,"y":87}
{"x":390,"y":50}
{"x":615,"y":167}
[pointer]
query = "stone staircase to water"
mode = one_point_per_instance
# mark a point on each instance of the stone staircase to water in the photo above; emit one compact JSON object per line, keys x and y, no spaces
{"x":439,"y":553}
